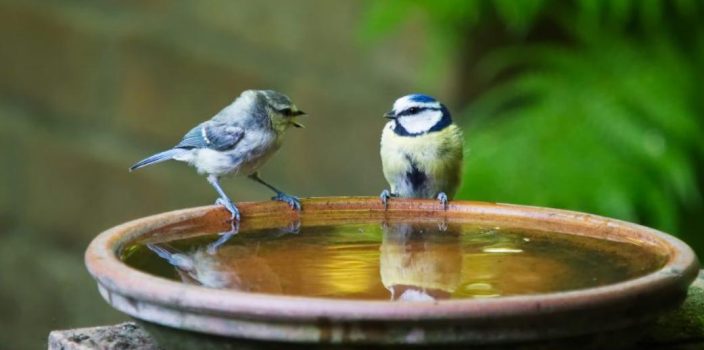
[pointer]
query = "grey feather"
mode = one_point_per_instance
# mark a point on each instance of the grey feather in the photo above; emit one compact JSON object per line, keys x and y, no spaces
{"x":213,"y":135}
{"x":173,"y":256}
{"x":157,"y":158}
{"x":193,"y":138}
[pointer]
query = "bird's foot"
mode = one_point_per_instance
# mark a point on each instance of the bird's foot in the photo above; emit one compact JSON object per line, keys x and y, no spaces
{"x":235,"y":213}
{"x":293,"y":227}
{"x":384,"y":196}
{"x":442,"y":197}
{"x":292,"y":201}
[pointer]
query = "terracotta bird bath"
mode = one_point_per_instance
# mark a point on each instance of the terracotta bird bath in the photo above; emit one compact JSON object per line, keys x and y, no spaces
{"x":227,"y":316}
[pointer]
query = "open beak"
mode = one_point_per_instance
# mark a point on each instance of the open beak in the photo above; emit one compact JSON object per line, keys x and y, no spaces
{"x":390,"y":115}
{"x":294,"y":122}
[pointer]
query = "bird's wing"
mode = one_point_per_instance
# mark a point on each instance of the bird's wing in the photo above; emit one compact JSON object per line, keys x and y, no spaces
{"x":213,"y":135}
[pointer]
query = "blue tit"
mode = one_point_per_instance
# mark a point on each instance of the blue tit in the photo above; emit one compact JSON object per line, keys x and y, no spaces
{"x":237,"y":140}
{"x":421,"y":150}
{"x":419,"y":261}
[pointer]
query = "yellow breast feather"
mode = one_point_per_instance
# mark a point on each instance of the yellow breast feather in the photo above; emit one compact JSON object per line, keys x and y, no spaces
{"x":437,"y":154}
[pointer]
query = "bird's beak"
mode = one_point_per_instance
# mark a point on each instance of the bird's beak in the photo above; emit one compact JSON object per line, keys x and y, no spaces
{"x":390,"y":115}
{"x":293,"y":120}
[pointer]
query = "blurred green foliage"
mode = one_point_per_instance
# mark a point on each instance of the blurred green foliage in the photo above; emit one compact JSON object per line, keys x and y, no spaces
{"x":586,"y":105}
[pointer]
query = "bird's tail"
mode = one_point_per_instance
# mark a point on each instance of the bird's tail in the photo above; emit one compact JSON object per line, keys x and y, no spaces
{"x":157,"y":158}
{"x":174,"y":256}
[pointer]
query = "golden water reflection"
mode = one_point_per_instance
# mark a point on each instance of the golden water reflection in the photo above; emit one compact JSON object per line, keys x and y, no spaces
{"x":396,"y":261}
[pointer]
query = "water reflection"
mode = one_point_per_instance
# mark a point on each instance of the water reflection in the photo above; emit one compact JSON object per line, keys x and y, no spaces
{"x":415,"y":262}
{"x":399,"y":261}
{"x":420,"y":261}
{"x":217,"y":265}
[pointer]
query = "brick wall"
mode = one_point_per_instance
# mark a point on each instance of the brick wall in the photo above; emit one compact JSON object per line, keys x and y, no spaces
{"x":88,"y":88}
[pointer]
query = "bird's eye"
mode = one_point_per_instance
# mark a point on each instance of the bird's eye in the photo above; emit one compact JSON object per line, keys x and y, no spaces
{"x":413,"y":110}
{"x":286,"y":111}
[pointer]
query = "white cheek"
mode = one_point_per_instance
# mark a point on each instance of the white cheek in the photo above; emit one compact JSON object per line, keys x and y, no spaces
{"x":421,"y":122}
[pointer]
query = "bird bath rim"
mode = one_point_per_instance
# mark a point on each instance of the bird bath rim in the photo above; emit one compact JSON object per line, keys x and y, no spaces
{"x":307,"y":319}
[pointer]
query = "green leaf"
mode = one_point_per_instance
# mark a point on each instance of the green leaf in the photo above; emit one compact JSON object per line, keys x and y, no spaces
{"x":609,"y":133}
{"x":519,"y":15}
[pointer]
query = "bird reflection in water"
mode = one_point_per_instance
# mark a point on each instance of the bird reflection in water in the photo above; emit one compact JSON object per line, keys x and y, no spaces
{"x":414,"y":262}
{"x":400,"y":261}
{"x":217,"y":265}
{"x":420,"y":261}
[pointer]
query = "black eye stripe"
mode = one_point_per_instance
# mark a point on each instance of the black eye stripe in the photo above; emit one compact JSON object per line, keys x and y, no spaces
{"x":416,"y":110}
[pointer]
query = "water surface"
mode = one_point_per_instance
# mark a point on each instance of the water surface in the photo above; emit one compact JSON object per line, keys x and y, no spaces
{"x":395,"y":261}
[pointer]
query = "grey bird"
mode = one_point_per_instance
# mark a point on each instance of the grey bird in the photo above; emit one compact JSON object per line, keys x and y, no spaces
{"x":237,"y":140}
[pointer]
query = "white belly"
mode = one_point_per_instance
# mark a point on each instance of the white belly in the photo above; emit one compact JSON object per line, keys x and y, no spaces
{"x":244,"y":159}
{"x":209,"y":161}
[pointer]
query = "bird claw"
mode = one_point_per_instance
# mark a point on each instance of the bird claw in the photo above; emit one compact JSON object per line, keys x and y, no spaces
{"x":444,"y":201}
{"x":294,"y":227}
{"x":235,"y":213}
{"x":292,"y":201}
{"x":384,"y":196}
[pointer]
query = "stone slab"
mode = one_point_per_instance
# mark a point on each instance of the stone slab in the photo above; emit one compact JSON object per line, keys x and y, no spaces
{"x":123,"y":336}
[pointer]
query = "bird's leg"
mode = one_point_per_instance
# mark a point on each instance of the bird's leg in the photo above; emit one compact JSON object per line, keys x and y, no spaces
{"x":442,"y":197}
{"x":292,"y":201}
{"x":224,"y":200}
{"x":224,"y":237}
{"x":384,"y":196}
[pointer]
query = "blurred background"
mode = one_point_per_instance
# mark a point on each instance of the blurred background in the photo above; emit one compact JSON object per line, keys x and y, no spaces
{"x":586,"y":105}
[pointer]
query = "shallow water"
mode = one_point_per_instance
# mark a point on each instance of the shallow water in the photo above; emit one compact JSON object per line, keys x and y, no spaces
{"x":398,"y":261}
